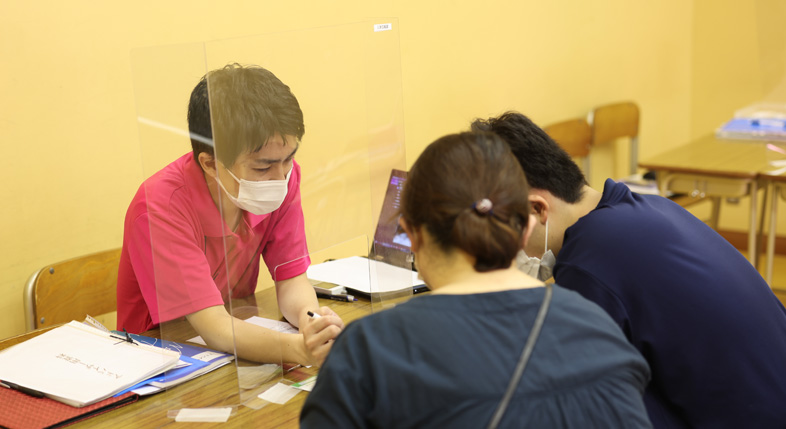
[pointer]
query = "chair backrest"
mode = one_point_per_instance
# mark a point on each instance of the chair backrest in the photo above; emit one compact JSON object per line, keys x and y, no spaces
{"x":69,"y":290}
{"x":612,"y":121}
{"x":575,"y":136}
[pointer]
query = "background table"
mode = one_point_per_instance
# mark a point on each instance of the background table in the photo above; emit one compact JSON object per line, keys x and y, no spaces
{"x":716,"y":168}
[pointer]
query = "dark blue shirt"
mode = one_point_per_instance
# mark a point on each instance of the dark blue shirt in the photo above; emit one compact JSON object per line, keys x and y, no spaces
{"x":444,"y":361}
{"x":711,"y":329}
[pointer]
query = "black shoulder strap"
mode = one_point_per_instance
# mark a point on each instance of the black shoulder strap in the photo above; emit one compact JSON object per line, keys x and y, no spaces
{"x":514,"y":381}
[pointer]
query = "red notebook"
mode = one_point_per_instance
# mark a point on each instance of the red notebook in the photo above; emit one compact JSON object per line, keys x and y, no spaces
{"x":20,"y":411}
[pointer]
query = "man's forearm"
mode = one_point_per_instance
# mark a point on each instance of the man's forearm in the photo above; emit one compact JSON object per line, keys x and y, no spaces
{"x":296,"y":296}
{"x":252,"y":342}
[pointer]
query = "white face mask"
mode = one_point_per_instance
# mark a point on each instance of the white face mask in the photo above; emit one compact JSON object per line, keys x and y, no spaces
{"x":260,"y":197}
{"x":540,"y":268}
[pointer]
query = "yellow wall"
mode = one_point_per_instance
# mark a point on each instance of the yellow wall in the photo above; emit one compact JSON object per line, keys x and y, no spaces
{"x":739,"y":58}
{"x":68,"y":118}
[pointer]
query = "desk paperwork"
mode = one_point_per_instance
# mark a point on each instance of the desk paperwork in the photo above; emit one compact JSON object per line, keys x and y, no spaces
{"x":194,"y":361}
{"x":759,"y":121}
{"x":753,"y":129}
{"x":80,"y":365}
{"x":365,"y":277}
{"x":275,"y":325}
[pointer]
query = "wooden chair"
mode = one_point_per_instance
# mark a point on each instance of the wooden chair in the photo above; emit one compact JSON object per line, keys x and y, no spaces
{"x":575,"y":137}
{"x":617,"y":120}
{"x":69,"y":290}
{"x":613,"y":121}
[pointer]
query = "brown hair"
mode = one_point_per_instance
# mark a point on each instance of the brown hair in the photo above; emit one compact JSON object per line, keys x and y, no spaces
{"x":446,"y":186}
{"x":246,"y":106}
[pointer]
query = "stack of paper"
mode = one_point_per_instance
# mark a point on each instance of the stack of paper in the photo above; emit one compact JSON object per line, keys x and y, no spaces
{"x":79,"y":365}
{"x":194,"y":361}
{"x":760,"y":121}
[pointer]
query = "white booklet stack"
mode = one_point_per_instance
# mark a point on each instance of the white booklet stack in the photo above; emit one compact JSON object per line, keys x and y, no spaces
{"x":79,"y":365}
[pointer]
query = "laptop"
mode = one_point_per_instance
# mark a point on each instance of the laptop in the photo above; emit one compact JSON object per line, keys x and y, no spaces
{"x":390,"y":263}
{"x":391,"y":244}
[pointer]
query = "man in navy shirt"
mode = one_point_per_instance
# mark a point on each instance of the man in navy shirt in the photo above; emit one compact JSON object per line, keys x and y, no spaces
{"x":711,"y":329}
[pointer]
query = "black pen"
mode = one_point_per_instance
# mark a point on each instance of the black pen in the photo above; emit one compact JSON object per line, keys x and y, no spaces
{"x":337,"y":297}
{"x":18,"y":388}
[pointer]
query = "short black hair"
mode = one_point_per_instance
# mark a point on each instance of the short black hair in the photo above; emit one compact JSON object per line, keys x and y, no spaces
{"x":249,"y":104}
{"x":546,"y":165}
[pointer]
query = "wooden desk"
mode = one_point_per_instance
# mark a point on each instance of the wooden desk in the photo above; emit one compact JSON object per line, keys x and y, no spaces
{"x":218,"y":388}
{"x":715,"y":168}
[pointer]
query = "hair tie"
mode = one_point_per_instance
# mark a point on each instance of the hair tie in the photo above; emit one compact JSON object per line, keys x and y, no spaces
{"x":483,"y":206}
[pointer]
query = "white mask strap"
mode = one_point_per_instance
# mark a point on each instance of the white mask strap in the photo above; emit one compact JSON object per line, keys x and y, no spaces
{"x":233,"y":176}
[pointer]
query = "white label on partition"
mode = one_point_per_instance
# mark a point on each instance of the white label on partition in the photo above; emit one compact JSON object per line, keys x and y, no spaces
{"x":383,"y":27}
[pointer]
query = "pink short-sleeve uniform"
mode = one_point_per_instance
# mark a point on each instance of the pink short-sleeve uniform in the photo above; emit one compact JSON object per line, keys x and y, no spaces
{"x":178,"y":257}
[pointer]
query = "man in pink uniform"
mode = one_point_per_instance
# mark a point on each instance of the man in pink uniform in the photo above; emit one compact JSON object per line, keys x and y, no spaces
{"x":195,"y":230}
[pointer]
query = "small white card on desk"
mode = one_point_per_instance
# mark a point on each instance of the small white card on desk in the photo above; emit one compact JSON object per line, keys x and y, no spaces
{"x":279,"y":394}
{"x":213,"y":415}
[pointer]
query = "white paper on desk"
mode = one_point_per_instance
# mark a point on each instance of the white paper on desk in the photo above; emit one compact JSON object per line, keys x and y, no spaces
{"x":210,"y":415}
{"x":79,"y":365}
{"x":275,"y":325}
{"x":279,"y":394}
{"x":365,"y":275}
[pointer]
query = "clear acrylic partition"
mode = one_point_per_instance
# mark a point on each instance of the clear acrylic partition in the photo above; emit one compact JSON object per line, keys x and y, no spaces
{"x":347,"y":81}
{"x":163,"y":78}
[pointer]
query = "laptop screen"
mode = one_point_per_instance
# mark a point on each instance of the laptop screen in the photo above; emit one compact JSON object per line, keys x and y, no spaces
{"x":391,"y":243}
